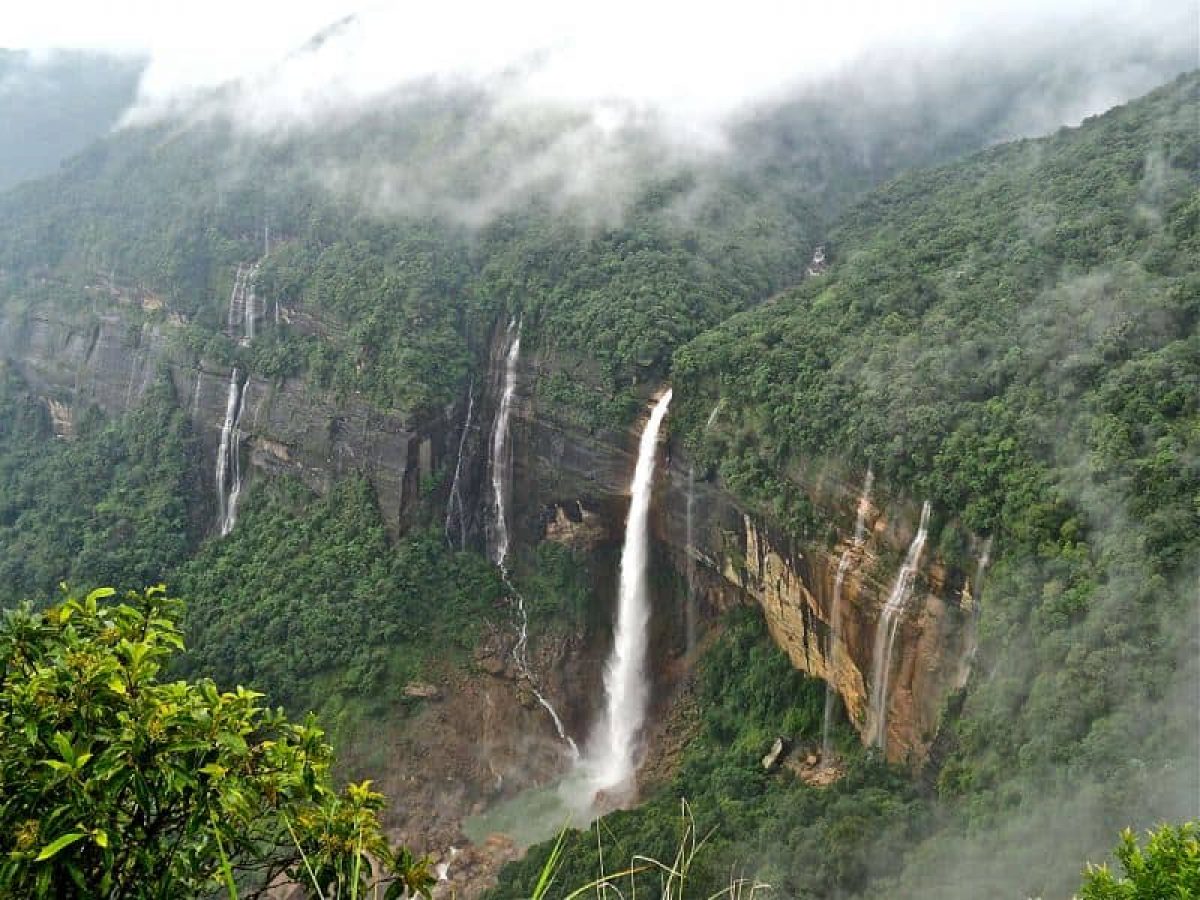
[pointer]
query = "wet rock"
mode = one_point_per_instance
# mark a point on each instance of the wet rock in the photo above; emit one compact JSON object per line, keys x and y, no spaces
{"x":419,"y":690}
{"x":771,"y":761}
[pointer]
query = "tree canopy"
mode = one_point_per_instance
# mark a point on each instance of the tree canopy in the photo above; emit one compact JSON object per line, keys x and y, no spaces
{"x":115,"y":783}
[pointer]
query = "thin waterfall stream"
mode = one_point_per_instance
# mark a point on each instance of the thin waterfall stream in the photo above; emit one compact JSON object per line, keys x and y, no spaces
{"x":889,"y":623}
{"x":229,"y":467}
{"x":501,"y":466}
{"x":835,"y":611}
{"x":454,"y":502}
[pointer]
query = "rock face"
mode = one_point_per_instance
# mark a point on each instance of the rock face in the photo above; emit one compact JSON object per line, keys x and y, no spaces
{"x":570,"y":486}
{"x":111,"y":360}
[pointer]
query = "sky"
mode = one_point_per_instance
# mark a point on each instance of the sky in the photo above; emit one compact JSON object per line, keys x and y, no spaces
{"x":698,"y":60}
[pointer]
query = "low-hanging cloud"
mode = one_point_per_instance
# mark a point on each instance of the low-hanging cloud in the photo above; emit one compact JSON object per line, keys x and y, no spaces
{"x":694,"y":65}
{"x":567,"y":99}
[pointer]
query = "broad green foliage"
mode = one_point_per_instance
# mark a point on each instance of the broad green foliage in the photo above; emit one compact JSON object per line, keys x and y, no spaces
{"x":1167,"y":868}
{"x":116,"y":784}
{"x":308,"y":596}
{"x":118,"y":504}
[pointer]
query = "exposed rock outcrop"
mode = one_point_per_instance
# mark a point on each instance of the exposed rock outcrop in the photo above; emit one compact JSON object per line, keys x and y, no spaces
{"x":110,"y":361}
{"x":570,"y":487}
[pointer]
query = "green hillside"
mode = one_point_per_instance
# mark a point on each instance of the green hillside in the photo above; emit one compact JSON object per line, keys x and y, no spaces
{"x":1014,"y":337}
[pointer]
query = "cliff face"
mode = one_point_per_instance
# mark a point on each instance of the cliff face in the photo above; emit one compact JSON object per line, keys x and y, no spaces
{"x":111,"y":361}
{"x":570,"y":485}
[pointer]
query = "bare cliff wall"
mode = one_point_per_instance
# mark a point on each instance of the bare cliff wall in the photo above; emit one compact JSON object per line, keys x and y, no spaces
{"x":571,"y":486}
{"x":110,"y":360}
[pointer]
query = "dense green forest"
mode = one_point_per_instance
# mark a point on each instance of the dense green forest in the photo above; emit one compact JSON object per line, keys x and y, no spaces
{"x":118,"y":504}
{"x":1014,"y":336}
{"x":395,"y":298}
{"x":349,"y":613}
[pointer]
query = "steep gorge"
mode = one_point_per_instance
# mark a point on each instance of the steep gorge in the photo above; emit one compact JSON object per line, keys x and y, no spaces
{"x":569,"y":486}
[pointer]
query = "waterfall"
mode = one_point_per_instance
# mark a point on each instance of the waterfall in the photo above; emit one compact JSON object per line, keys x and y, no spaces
{"x":229,"y":468}
{"x":455,"y":499}
{"x":625,"y":685}
{"x":196,"y":396}
{"x":249,"y":304}
{"x":236,"y":300}
{"x":889,"y":622}
{"x":690,"y":550}
{"x":985,"y":557}
{"x":501,"y":457}
{"x":712,"y":416}
{"x":501,"y":466}
{"x":835,"y":610}
{"x":243,"y":303}
{"x":521,"y":656}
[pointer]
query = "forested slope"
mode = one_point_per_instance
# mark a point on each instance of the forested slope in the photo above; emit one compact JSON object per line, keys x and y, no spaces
{"x":1014,"y":337}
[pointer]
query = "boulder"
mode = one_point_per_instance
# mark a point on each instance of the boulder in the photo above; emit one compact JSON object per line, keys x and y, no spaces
{"x":419,"y":690}
{"x":771,"y":761}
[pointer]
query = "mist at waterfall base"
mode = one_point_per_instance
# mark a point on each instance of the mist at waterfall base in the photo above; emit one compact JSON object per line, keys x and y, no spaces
{"x":602,"y":778}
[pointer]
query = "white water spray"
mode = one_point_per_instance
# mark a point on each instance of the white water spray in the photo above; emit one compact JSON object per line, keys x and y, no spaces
{"x":236,"y":300}
{"x":835,"y":611}
{"x":712,"y":416}
{"x":889,"y":623}
{"x":985,"y":557}
{"x":229,"y":467}
{"x":250,"y":305}
{"x":614,"y":748}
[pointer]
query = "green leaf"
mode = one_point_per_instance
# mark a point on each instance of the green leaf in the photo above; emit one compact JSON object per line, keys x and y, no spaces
{"x":100,"y":594}
{"x":58,"y":844}
{"x":63,"y":744}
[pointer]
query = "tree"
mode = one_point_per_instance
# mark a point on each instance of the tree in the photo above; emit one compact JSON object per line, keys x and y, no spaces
{"x":116,"y":784}
{"x":1167,"y":869}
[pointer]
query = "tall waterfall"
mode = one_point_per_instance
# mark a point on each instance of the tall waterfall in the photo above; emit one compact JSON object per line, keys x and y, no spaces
{"x":454,"y":502}
{"x":501,"y":463}
{"x":835,"y":611}
{"x":229,"y":467}
{"x":889,"y":622}
{"x":613,"y":751}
